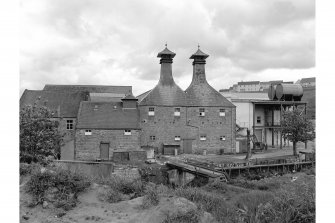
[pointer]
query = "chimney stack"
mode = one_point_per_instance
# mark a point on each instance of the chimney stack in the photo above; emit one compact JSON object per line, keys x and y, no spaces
{"x":166,"y":66}
{"x":199,"y":61}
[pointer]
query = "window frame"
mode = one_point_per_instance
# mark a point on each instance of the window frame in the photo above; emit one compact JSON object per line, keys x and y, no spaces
{"x":177,"y":138}
{"x":88,"y":132}
{"x":177,"y":111}
{"x":203,"y":137}
{"x":151,"y":111}
{"x":202,"y":112}
{"x":222,"y":138}
{"x":222,"y":112}
{"x":258,"y":121}
{"x":152,"y":138}
{"x":69,"y":124}
{"x":127,"y":132}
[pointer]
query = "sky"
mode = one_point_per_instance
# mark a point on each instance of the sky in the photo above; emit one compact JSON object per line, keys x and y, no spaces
{"x":113,"y":42}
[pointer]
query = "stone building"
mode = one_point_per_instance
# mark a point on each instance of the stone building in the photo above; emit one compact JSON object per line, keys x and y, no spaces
{"x":192,"y":121}
{"x":64,"y":101}
{"x":104,"y":120}
{"x":106,"y":127}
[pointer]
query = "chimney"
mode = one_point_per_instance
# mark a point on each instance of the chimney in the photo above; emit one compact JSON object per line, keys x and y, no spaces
{"x":166,"y":66}
{"x":199,"y":61}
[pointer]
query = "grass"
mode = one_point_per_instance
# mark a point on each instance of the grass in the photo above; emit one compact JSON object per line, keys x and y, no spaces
{"x":151,"y":197}
{"x":191,"y":216}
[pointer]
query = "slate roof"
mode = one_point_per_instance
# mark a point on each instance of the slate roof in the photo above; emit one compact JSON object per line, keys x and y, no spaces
{"x":200,"y":93}
{"x":166,"y":92}
{"x":89,"y":88}
{"x":63,"y":104}
{"x":199,"y":53}
{"x":205,"y":95}
{"x":106,"y":97}
{"x":166,"y":51}
{"x":307,"y":80}
{"x":104,"y":115}
{"x":248,"y":82}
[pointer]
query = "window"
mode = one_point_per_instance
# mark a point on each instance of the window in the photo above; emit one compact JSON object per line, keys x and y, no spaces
{"x":88,"y":132}
{"x":258,"y":119}
{"x":69,"y":124}
{"x":202,"y":137}
{"x":152,"y":138}
{"x":202,"y":112}
{"x":222,"y":138}
{"x":151,"y":111}
{"x":177,"y":138}
{"x":127,"y":132}
{"x":222,"y":112}
{"x":176,"y":111}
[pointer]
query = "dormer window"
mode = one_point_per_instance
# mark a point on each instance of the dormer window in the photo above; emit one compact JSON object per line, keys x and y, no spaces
{"x":151,"y":111}
{"x":177,"y":112}
{"x":222,"y":112}
{"x":127,"y":132}
{"x":202,"y":112}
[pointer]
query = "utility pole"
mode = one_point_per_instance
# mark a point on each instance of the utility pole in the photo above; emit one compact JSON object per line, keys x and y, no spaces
{"x":248,"y":146}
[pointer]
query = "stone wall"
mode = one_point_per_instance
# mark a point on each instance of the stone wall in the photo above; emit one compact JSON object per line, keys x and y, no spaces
{"x":88,"y":146}
{"x":213,"y":126}
{"x":165,"y":126}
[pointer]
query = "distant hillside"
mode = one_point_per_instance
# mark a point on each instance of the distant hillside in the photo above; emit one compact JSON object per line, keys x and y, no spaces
{"x":309,"y":96}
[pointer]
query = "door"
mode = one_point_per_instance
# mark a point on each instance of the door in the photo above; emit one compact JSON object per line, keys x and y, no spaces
{"x":104,"y":151}
{"x":187,"y":145}
{"x":258,"y":134}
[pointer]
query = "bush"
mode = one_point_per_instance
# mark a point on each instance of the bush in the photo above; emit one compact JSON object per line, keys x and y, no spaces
{"x":125,"y":185}
{"x":213,"y":203}
{"x":191,"y":216}
{"x":255,"y":185}
{"x":297,"y":205}
{"x":111,"y":196}
{"x":59,"y":186}
{"x":249,"y":203}
{"x":151,"y":197}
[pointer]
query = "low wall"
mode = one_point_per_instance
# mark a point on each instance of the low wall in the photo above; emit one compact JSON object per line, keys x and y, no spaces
{"x":93,"y":169}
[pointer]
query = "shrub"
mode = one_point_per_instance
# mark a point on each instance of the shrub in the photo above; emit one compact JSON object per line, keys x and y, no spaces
{"x":297,"y":205}
{"x":125,"y":185}
{"x":151,"y":197}
{"x":59,"y":186}
{"x":111,"y":196}
{"x":191,"y":216}
{"x":213,"y":203}
{"x":250,"y":202}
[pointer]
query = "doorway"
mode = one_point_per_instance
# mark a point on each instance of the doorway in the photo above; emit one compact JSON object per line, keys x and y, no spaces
{"x":104,"y":151}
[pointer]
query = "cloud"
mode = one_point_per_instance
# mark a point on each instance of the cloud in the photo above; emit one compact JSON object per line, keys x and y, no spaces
{"x":116,"y":42}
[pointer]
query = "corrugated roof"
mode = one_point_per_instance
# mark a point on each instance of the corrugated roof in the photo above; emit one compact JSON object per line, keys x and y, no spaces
{"x":89,"y":88}
{"x":63,"y":104}
{"x":107,"y":115}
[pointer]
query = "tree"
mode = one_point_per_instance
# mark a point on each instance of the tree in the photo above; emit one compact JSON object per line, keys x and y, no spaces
{"x":39,"y":134}
{"x":297,"y":128}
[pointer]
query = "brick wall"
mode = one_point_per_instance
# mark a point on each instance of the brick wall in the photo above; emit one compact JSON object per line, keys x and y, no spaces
{"x":88,"y":146}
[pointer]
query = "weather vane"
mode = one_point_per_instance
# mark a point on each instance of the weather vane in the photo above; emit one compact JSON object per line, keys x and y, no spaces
{"x":165,"y":44}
